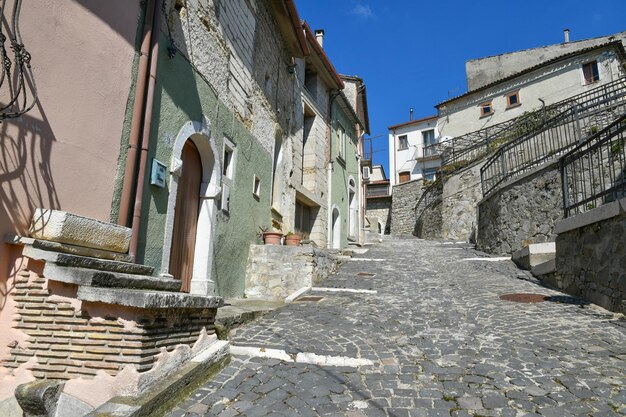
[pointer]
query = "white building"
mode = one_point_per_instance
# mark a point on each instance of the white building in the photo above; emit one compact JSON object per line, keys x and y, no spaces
{"x":408,"y":159}
{"x":543,"y":83}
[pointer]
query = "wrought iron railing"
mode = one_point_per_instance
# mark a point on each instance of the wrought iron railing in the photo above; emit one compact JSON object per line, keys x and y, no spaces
{"x":17,"y":83}
{"x":594,"y":172}
{"x":472,"y":146}
{"x":587,"y":114}
{"x":432,"y":194}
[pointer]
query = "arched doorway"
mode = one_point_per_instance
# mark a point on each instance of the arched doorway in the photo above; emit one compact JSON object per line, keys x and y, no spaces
{"x":186,"y":216}
{"x":336,"y":229}
{"x":352,"y":209}
{"x":199,"y":255}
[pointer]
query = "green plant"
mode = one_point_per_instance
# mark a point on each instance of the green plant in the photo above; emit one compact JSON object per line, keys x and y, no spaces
{"x":591,"y":206}
{"x":593,"y":130}
{"x":616,"y":147}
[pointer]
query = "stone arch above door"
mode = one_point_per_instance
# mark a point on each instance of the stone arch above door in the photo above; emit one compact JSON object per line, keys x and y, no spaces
{"x":200,"y":134}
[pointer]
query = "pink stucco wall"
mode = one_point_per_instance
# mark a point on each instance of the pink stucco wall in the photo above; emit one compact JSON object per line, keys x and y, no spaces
{"x":63,"y":154}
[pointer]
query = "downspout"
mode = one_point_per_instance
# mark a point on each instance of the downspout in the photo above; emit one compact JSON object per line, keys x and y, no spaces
{"x":329,"y":166}
{"x":145,"y":141}
{"x":135,"y":126}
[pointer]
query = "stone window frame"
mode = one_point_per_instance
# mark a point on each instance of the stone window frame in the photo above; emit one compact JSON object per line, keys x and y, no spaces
{"x":517,"y":103}
{"x":486,"y":105}
{"x":256,"y":186}
{"x":228,"y":172}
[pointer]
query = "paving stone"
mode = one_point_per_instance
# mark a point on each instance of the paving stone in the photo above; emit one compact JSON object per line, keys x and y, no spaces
{"x":441,"y":342}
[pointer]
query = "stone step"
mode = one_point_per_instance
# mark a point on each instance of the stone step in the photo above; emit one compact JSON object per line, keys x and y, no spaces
{"x":107,"y":279}
{"x":534,"y":254}
{"x":147,"y":299}
{"x":544,"y":268}
{"x":64,"y":259}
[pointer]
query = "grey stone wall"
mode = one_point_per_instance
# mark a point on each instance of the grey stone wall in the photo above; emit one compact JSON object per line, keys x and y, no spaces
{"x":379,"y":209}
{"x":523,"y":211}
{"x":461,"y":194}
{"x":429,"y":224}
{"x":403,"y":202}
{"x":591,"y":263}
{"x":274,"y":272}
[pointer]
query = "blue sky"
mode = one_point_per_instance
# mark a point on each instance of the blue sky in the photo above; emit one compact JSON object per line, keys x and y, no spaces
{"x":412,"y":53}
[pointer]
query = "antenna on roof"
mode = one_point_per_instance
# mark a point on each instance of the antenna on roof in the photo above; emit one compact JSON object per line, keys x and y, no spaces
{"x":411,"y":113}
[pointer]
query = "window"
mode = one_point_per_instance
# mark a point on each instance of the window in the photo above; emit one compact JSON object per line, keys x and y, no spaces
{"x":228,"y":172}
{"x":512,"y":100}
{"x":302,"y":219}
{"x":590,"y":72}
{"x":486,"y":109}
{"x":256,"y":186}
{"x":404,"y":177}
{"x":429,"y":137}
{"x":403,"y":142}
{"x":341,"y":133}
{"x":430,"y":173}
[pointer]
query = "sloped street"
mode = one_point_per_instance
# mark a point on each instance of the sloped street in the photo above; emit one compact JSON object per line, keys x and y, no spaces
{"x":430,"y":336}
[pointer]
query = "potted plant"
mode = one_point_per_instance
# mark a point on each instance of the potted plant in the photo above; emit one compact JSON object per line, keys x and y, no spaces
{"x":270,"y":236}
{"x":293,"y":239}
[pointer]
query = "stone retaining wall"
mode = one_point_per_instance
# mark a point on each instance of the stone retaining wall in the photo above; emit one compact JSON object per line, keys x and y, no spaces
{"x":379,"y":209}
{"x":274,"y":272}
{"x":66,"y":338}
{"x":404,"y":200}
{"x":461,"y":194}
{"x":521,"y":212}
{"x":591,"y":261}
{"x":429,"y":225}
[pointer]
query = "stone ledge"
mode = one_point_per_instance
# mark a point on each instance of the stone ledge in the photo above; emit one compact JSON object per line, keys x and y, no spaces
{"x":544,"y":268}
{"x":534,"y":254}
{"x":147,"y":299}
{"x":598,"y":214}
{"x":48,"y":245}
{"x":62,"y":227}
{"x":95,"y":278}
{"x":64,"y":259}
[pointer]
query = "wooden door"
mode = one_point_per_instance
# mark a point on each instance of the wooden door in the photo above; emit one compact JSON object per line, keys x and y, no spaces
{"x":186,"y":216}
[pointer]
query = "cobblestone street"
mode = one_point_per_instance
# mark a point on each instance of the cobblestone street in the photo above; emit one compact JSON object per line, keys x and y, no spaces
{"x":440,"y":340}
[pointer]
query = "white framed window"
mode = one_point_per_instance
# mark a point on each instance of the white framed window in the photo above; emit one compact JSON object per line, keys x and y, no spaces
{"x":256,"y":186}
{"x":229,"y":159}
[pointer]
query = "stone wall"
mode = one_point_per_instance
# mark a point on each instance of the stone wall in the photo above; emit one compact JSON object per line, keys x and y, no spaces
{"x":404,"y":199}
{"x":68,"y":339}
{"x":591,"y":260}
{"x":461,"y":194}
{"x":429,"y":224}
{"x":521,"y":212}
{"x":379,"y":209}
{"x":274,"y":272}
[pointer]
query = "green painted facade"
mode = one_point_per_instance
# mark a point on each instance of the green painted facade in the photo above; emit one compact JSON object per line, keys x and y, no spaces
{"x":344,"y":168}
{"x":182,"y":95}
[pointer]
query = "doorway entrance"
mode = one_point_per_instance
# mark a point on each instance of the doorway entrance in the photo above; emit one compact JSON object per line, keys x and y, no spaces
{"x":186,"y":216}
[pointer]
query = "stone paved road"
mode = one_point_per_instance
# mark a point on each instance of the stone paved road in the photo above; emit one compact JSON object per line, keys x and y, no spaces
{"x":441,"y":341}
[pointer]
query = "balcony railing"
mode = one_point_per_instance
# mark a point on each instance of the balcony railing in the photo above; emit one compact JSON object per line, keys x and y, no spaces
{"x":474,"y":145}
{"x":594,"y":173}
{"x":587,"y":114}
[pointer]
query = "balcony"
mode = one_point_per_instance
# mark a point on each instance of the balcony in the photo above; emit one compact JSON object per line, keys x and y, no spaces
{"x":379,"y":190}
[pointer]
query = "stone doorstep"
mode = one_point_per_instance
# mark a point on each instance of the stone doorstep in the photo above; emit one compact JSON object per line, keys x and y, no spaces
{"x":64,"y":259}
{"x":544,"y":268}
{"x":65,"y":248}
{"x":534,"y":254}
{"x":63,"y":227}
{"x":147,"y":299}
{"x":166,"y":393}
{"x":96,"y":278}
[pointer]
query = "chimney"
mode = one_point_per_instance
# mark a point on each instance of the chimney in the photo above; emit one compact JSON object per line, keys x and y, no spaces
{"x":319,"y":35}
{"x":566,"y":34}
{"x":411,"y":113}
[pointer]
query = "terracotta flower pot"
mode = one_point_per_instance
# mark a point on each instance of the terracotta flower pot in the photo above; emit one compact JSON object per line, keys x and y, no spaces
{"x":272,"y":238}
{"x":293,"y":240}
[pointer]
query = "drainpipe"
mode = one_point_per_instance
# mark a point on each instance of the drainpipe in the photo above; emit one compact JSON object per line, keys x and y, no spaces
{"x":145,"y":141}
{"x":329,"y":167}
{"x":135,"y":126}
